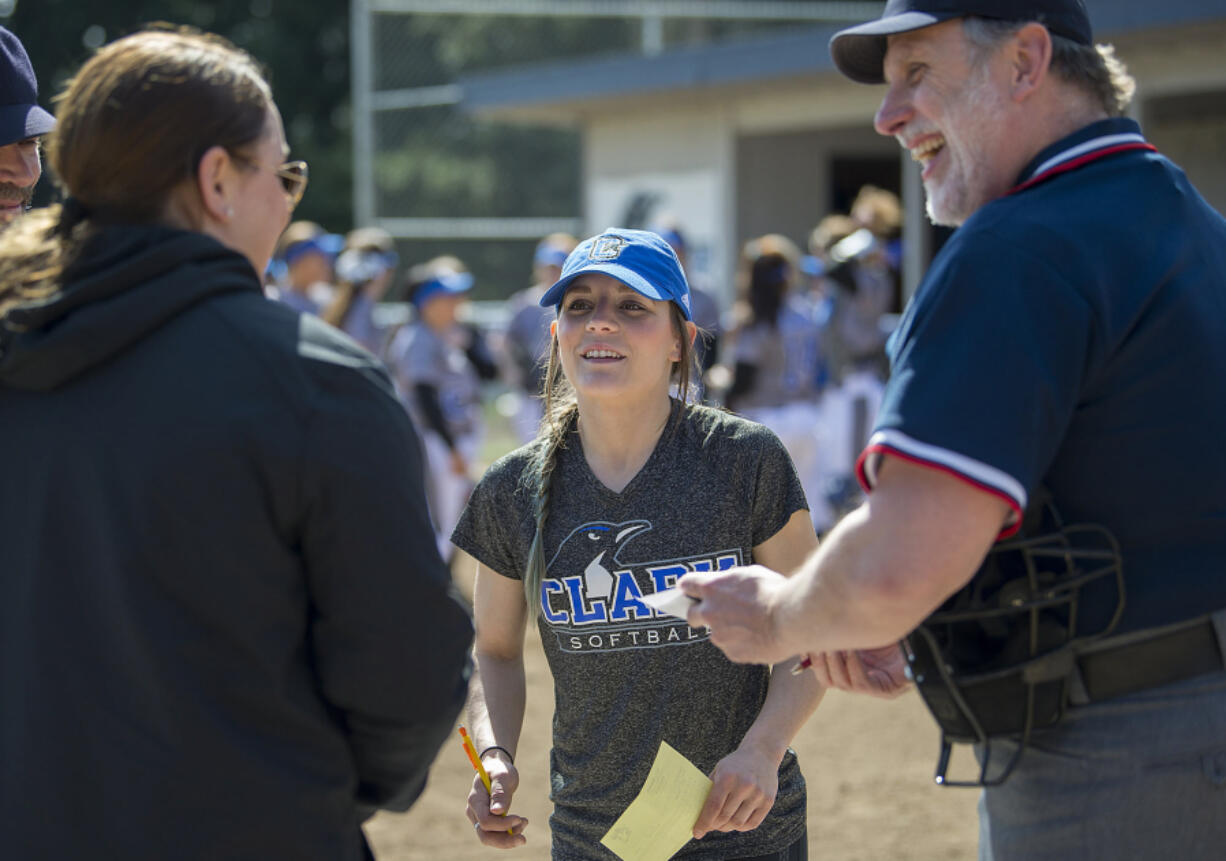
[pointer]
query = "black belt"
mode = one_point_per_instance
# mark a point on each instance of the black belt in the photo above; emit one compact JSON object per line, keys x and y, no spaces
{"x":1150,"y":663}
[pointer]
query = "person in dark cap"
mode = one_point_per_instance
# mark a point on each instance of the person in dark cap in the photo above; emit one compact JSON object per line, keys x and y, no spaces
{"x":1041,"y":527}
{"x":22,"y":125}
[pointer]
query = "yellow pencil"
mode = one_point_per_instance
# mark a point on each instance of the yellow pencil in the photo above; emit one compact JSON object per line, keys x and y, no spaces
{"x":476,"y":761}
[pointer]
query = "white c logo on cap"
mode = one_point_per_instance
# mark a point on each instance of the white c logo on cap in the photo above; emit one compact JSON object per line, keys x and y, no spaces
{"x":607,"y":248}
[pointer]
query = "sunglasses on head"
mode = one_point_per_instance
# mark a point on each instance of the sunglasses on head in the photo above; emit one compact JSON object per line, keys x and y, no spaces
{"x":293,"y":175}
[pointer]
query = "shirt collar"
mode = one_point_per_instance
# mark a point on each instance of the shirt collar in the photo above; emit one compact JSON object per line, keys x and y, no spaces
{"x":1096,"y":140}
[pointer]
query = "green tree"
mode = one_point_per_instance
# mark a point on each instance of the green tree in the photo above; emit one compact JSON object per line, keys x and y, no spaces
{"x":432,"y":162}
{"x":303,"y":46}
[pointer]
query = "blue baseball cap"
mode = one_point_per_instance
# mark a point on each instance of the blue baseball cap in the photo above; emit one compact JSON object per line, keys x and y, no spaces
{"x":812,"y":266}
{"x":327,"y":244}
{"x":640,"y":259}
{"x":550,"y":253}
{"x":443,"y":282}
{"x":673,"y":237}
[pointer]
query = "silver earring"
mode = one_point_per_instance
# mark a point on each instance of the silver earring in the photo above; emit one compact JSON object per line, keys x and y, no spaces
{"x":229,"y":212}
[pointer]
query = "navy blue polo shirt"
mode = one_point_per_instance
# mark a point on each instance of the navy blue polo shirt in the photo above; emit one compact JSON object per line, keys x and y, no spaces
{"x":1073,"y":334}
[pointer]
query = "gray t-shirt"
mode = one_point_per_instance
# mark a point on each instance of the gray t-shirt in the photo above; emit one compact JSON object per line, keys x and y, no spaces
{"x":420,"y":355}
{"x":626,"y":678}
{"x":786,"y":356}
{"x":527,"y":338}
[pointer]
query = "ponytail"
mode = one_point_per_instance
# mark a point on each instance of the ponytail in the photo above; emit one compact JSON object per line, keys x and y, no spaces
{"x":34,"y":251}
{"x":541,"y":483}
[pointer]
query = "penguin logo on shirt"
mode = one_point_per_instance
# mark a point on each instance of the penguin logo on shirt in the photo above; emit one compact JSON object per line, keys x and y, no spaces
{"x":602,"y":542}
{"x":592,"y":595}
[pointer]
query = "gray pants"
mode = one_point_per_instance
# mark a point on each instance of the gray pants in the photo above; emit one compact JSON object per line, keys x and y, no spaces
{"x":1139,"y":777}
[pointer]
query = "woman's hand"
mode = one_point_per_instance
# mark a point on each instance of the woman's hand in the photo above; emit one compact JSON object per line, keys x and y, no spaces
{"x":459,"y":466}
{"x":488,"y":812}
{"x":746,"y":782}
{"x":877,"y":672}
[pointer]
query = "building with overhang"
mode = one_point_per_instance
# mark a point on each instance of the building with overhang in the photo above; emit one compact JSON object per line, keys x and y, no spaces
{"x":762,"y":134}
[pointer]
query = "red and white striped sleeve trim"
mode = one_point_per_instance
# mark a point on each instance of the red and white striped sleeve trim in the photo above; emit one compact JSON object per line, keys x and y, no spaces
{"x":979,"y":475}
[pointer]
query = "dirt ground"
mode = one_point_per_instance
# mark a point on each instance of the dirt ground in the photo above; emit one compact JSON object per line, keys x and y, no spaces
{"x":868,"y":764}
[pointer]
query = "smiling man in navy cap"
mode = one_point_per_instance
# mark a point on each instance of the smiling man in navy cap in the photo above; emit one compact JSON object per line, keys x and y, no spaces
{"x":1045,"y":524}
{"x":22,"y":125}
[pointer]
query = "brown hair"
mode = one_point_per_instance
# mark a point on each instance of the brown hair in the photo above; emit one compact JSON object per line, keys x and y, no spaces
{"x":829,"y":231}
{"x":879,"y":210}
{"x":132,"y":126}
{"x":768,"y":269}
{"x":561,"y":411}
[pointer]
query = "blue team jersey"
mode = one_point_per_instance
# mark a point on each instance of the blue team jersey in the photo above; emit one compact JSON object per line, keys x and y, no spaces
{"x":1072,"y":334}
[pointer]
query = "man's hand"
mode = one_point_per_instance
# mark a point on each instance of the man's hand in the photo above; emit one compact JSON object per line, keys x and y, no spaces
{"x":739,"y":607}
{"x":745,"y":784}
{"x":877,"y":672}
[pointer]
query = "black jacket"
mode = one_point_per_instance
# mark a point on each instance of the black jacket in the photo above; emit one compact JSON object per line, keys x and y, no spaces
{"x":225,"y":631}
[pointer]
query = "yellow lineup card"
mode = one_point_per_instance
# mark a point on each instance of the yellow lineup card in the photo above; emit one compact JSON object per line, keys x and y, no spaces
{"x":661,"y":818}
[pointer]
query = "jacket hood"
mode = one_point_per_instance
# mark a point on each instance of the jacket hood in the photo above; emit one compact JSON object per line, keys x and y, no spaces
{"x":126,"y":282}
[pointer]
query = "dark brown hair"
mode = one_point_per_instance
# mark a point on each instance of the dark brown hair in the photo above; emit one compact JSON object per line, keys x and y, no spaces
{"x":768,"y":269}
{"x":135,"y":121}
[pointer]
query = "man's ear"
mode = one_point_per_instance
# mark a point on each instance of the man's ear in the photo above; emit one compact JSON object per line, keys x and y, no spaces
{"x":1030,"y":60}
{"x":214,"y":182}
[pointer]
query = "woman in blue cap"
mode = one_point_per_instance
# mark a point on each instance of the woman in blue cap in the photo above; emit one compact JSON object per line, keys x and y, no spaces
{"x":439,"y":365}
{"x":628,"y":487}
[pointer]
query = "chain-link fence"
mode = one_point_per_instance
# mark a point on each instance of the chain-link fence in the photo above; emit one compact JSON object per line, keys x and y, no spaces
{"x":443,"y":181}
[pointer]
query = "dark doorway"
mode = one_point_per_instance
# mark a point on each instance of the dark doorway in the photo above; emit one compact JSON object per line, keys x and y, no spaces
{"x":848,"y":174}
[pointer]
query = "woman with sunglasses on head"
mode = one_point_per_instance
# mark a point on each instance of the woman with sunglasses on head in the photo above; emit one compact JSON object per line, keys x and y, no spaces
{"x":217,"y":558}
{"x":626,"y":488}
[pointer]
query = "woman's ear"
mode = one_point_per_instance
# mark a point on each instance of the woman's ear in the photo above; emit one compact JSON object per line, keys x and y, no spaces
{"x":215,"y":178}
{"x":553,"y":329}
{"x":690,"y":332}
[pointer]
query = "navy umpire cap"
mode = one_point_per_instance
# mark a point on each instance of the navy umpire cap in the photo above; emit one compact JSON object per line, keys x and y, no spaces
{"x":20,"y":115}
{"x":860,"y":51}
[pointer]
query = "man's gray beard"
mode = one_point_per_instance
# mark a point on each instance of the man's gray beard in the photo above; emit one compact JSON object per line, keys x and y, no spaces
{"x":9,"y":191}
{"x":980,"y":100}
{"x":932,"y":216}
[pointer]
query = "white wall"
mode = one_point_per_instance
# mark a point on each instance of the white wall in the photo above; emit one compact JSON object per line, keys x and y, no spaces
{"x":678,"y":162}
{"x":681,"y":153}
